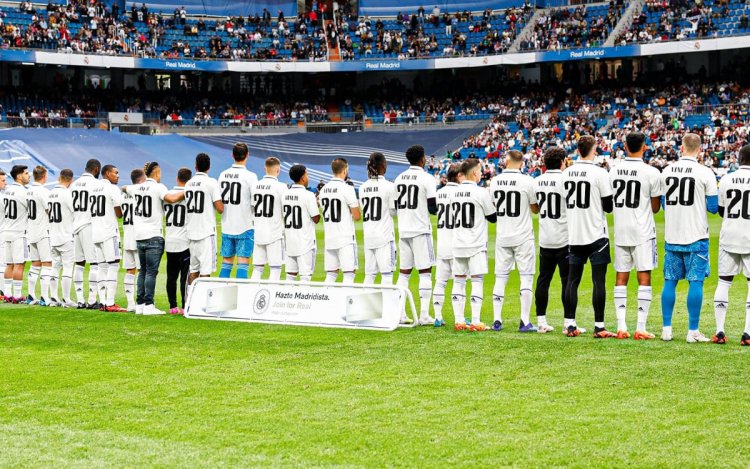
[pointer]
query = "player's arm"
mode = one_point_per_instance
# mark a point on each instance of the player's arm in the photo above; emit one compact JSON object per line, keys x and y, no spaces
{"x":655,"y":204}
{"x":431,"y":193}
{"x":488,"y":207}
{"x":605,"y":191}
{"x":174,"y":197}
{"x":218,"y":201}
{"x":351,"y":200}
{"x":533,"y":202}
{"x":712,"y":194}
{"x":312,"y":209}
{"x":656,"y":191}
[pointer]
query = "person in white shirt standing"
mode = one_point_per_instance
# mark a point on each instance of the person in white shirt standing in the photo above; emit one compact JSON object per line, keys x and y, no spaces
{"x":553,"y":233}
{"x":301,"y":214}
{"x":377,"y":198}
{"x":203,"y":201}
{"x":237,"y":234}
{"x":514,"y":198}
{"x":3,"y":183}
{"x":588,"y":198}
{"x":690,"y":190}
{"x":85,"y":253}
{"x":61,"y":213}
{"x":148,"y":219}
{"x":416,"y":200}
{"x":106,"y":209}
{"x":130,"y":261}
{"x":472,"y":208}
{"x":15,"y":205}
{"x":637,"y":196}
{"x":268,"y":213}
{"x":177,"y":245}
{"x":734,"y":243}
{"x":340,"y":211}
{"x":444,"y":269}
{"x":37,"y":235}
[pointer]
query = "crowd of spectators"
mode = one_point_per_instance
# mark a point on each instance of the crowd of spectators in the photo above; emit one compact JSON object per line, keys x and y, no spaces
{"x":572,"y":28}
{"x":698,"y":16}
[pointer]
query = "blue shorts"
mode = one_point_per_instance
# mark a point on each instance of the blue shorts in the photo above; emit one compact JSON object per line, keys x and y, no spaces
{"x":693,"y":266}
{"x":238,"y":245}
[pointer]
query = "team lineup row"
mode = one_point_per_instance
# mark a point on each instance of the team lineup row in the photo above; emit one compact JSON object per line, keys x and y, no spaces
{"x":76,"y":223}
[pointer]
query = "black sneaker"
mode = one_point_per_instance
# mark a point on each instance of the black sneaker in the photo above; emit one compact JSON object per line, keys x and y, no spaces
{"x":719,"y":338}
{"x":83,"y":306}
{"x":745,"y":341}
{"x":95,"y":305}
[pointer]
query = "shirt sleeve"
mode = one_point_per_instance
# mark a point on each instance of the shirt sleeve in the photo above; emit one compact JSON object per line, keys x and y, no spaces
{"x":656,"y":189}
{"x":531,"y":193}
{"x":430,"y":186}
{"x":161,"y":191}
{"x":711,"y":186}
{"x":312,"y":206}
{"x":116,"y":195}
{"x":605,"y":188}
{"x":722,"y":196}
{"x":487,"y":206}
{"x":215,"y":192}
{"x":350,"y":197}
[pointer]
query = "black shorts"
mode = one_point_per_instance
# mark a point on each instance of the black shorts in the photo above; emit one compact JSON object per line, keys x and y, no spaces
{"x":554,"y":254}
{"x":597,"y":253}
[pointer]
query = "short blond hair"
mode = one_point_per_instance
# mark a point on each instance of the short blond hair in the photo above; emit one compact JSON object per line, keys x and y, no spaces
{"x":691,"y":143}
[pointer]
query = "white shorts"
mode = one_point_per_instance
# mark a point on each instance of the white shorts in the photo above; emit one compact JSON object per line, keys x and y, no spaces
{"x":84,"y":246}
{"x":304,"y":264}
{"x":130,"y":259}
{"x":474,"y":265}
{"x":416,"y":253}
{"x":522,"y":256}
{"x":443,"y":270}
{"x":380,"y":260}
{"x":271,"y":255}
{"x":108,"y":251}
{"x":16,"y":251}
{"x":343,"y":259}
{"x":203,"y":255}
{"x":40,"y":251}
{"x":642,"y":258}
{"x":63,"y":256}
{"x":731,"y":264}
{"x":2,"y":254}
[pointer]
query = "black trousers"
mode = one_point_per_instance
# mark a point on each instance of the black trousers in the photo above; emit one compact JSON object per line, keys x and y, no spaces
{"x":178,"y":267}
{"x":549,"y":261}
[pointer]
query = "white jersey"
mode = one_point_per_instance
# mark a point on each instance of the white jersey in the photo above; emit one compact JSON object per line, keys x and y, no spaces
{"x":148,"y":214}
{"x":201,"y":191}
{"x":237,"y":185}
{"x":686,"y":184}
{"x":104,"y":199}
{"x":15,"y":206}
{"x":633,"y":184}
{"x":175,"y":215}
{"x":472,"y":204}
{"x":553,"y":217}
{"x":512,"y":193}
{"x":128,"y":229}
{"x":2,"y":210}
{"x":268,"y":200}
{"x":60,"y":209}
{"x":38,"y":228}
{"x":585,"y":184}
{"x":300,"y":207}
{"x":413,"y":188}
{"x":81,"y":190}
{"x":445,"y":220}
{"x":377,"y":197}
{"x":734,"y":198}
{"x":336,"y":199}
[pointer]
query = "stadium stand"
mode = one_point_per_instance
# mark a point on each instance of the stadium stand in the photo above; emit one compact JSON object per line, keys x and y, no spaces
{"x":583,"y":26}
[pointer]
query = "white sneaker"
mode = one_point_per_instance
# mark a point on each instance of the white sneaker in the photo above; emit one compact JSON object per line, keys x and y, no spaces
{"x":696,"y":337}
{"x":131,"y":308}
{"x":406,"y":320}
{"x":138,"y":309}
{"x":580,"y":330}
{"x":666,"y":335}
{"x":150,"y":310}
{"x":426,"y":320}
{"x":543,"y":329}
{"x":68,"y":304}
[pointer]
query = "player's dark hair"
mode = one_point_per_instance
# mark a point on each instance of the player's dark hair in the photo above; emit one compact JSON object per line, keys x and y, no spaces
{"x":66,"y":174}
{"x":585,"y":144}
{"x":202,"y":163}
{"x":453,"y":171}
{"x":39,"y":172}
{"x":16,"y":170}
{"x":745,"y":155}
{"x":468,"y":165}
{"x":414,"y":154}
{"x":554,"y":157}
{"x":296,"y":172}
{"x":634,"y":141}
{"x":93,"y":166}
{"x":148,"y":168}
{"x":376,"y":165}
{"x":239,"y":151}
{"x":184,"y":175}
{"x":107,"y":168}
{"x":338,"y":165}
{"x":136,"y":175}
{"x":2,"y":172}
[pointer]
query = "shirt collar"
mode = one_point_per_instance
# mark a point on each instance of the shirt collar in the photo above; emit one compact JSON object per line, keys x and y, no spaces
{"x":59,"y":186}
{"x":37,"y":184}
{"x":18,"y":184}
{"x":336,"y":179}
{"x":200,"y":173}
{"x":178,"y":188}
{"x":416,"y":168}
{"x":452,"y":184}
{"x":87,"y":174}
{"x":511,"y":170}
{"x":378,"y":178}
{"x":553,"y":171}
{"x":689,"y":158}
{"x":744,"y":166}
{"x":152,"y":180}
{"x":582,"y":161}
{"x":300,"y":186}
{"x":239,"y":166}
{"x":630,"y":158}
{"x":268,"y":176}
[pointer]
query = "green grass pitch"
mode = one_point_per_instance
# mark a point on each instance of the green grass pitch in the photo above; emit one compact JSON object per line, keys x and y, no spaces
{"x":84,"y":388}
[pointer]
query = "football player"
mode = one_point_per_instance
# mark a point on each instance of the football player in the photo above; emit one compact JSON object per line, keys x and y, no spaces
{"x":444,"y":270}
{"x":61,"y":214}
{"x":177,"y":246}
{"x":268,"y":199}
{"x":106,"y":209}
{"x":377,"y":197}
{"x":690,"y":190}
{"x":37,"y":235}
{"x":3,"y":183}
{"x":85,"y":252}
{"x":301,"y":214}
{"x":14,"y":233}
{"x":340,"y":211}
{"x":130,"y":261}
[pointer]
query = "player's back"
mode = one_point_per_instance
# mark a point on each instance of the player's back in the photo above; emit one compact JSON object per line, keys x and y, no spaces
{"x":148,"y":213}
{"x":299,"y":229}
{"x":512,"y":192}
{"x":471,"y":204}
{"x":60,"y":208}
{"x":16,"y":213}
{"x":268,"y":200}
{"x":377,"y":198}
{"x":734,"y":197}
{"x":336,"y":198}
{"x":104,"y":198}
{"x":38,"y":199}
{"x":413,"y":188}
{"x":81,"y":189}
{"x":553,"y":218}
{"x":685,"y":184}
{"x":200,"y":192}
{"x":237,"y":184}
{"x":634,"y":183}
{"x":128,"y":229}
{"x":445,"y":220}
{"x":585,"y":184}
{"x":175,"y":217}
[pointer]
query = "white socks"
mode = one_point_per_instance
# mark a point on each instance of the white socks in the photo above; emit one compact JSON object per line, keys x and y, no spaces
{"x":18,"y":288}
{"x":46,"y":278}
{"x":477,"y":298}
{"x":331,"y":277}
{"x":644,"y":305}
{"x":438,"y":296}
{"x":101,"y":282}
{"x":111,"y":283}
{"x":257,"y":272}
{"x":305,"y":278}
{"x":425,"y":294}
{"x":54,"y":272}
{"x":721,"y":303}
{"x":527,"y":282}
{"x":369,"y":279}
{"x":747,"y":309}
{"x":32,"y":278}
{"x":621,"y":306}
{"x":8,"y":289}
{"x":348,"y":278}
{"x":498,"y":296}
{"x":78,"y":281}
{"x":67,"y":281}
{"x":459,"y":299}
{"x":274,"y":273}
{"x":93,"y":283}
{"x":128,"y":284}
